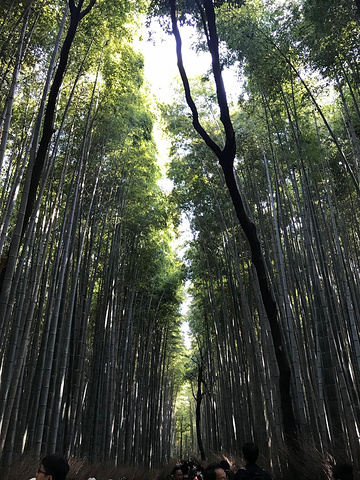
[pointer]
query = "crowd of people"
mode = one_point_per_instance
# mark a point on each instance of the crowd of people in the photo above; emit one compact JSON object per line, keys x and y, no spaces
{"x":55,"y":467}
{"x":251,"y":470}
{"x":222,"y":470}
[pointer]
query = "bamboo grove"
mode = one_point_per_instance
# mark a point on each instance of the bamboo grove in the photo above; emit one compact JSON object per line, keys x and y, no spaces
{"x":296,"y":124}
{"x":90,"y":286}
{"x":91,"y":354}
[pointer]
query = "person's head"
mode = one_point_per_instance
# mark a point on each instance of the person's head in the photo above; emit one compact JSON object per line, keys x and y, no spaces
{"x":177,"y":473}
{"x":250,"y":452}
{"x":343,"y":471}
{"x":224,"y":464}
{"x":185,"y":469}
{"x":214,"y":472}
{"x":53,"y":467}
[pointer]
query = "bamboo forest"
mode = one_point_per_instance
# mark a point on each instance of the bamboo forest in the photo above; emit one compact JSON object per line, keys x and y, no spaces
{"x":142,"y":325}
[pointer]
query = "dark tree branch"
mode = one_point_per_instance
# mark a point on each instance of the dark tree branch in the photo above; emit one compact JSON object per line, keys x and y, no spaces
{"x":48,"y":129}
{"x":357,"y":3}
{"x":72,"y":7}
{"x":230,"y":145}
{"x":87,"y":9}
{"x":226,"y":158}
{"x":203,"y":20}
{"x":207,"y":139}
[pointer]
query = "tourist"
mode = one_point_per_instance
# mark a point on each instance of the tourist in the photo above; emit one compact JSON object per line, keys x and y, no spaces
{"x":52,"y":467}
{"x":214,"y":472}
{"x":177,"y":473}
{"x":251,"y":470}
{"x":224,"y":464}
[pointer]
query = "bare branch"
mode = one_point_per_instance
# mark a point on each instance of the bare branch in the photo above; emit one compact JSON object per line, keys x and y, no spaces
{"x":87,"y":9}
{"x":207,"y":139}
{"x":220,"y":89}
{"x":203,"y":19}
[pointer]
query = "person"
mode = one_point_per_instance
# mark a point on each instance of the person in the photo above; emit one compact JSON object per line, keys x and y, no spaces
{"x":343,"y":471}
{"x":251,"y":470}
{"x":52,"y":467}
{"x":224,"y":464}
{"x":185,"y":467}
{"x":214,"y":472}
{"x":177,"y":473}
{"x":193,"y":474}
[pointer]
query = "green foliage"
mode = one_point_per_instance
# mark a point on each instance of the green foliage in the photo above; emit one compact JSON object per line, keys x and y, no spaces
{"x":328,"y":33}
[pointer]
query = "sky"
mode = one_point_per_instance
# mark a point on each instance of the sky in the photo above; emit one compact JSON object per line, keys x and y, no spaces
{"x":161,"y":67}
{"x":160,"y":60}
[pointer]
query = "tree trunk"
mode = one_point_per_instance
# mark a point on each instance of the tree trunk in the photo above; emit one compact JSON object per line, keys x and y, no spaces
{"x":199,"y":396}
{"x":226,"y":158}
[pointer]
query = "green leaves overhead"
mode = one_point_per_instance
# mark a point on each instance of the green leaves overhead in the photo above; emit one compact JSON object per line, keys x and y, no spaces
{"x":328,"y":33}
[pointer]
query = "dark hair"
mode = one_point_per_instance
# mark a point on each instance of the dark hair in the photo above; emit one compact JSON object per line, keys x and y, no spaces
{"x":210,"y":471}
{"x":176,"y":468}
{"x":185,"y":467}
{"x":343,"y":471}
{"x":224,"y":464}
{"x":250,"y":452}
{"x":56,"y":466}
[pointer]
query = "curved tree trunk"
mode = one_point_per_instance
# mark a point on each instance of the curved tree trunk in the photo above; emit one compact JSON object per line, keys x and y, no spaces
{"x":226,"y":158}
